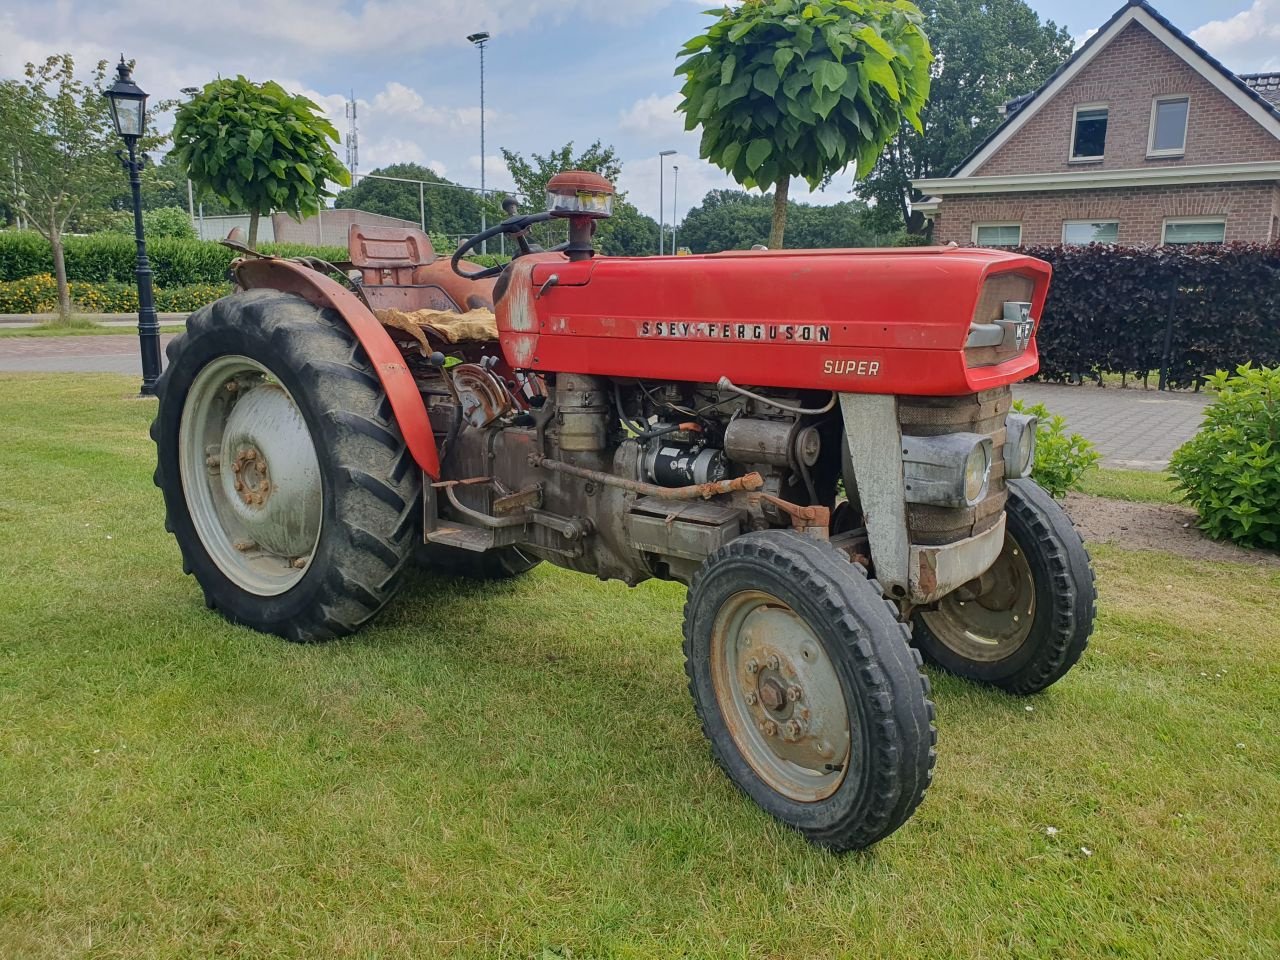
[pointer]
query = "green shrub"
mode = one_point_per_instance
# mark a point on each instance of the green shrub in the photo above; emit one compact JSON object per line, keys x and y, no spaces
{"x":1230,"y":470}
{"x":172,"y":222}
{"x":1061,"y":457}
{"x":39,"y":294}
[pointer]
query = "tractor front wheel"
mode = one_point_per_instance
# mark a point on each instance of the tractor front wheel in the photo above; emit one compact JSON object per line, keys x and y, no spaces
{"x":1025,"y":622}
{"x":286,"y":481}
{"x":808,"y":692}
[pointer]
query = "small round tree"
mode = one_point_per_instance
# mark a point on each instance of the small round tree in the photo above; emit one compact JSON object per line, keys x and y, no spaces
{"x":803,"y":88}
{"x":258,"y":148}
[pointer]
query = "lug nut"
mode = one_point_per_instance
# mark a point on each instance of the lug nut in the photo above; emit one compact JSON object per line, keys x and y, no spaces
{"x":794,"y":694}
{"x":753,"y":666}
{"x":212,"y":461}
{"x":793,"y":728}
{"x":769,"y":728}
{"x":750,"y":697}
{"x":775,"y":663}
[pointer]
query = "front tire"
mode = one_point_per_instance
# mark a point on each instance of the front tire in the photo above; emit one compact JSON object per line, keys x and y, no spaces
{"x":808,"y":692}
{"x":1025,"y":622}
{"x":286,"y":481}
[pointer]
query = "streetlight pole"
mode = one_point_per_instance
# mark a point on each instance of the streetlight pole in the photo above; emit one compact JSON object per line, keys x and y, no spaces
{"x":128,"y":104}
{"x":662,"y":227}
{"x":675,"y":205}
{"x":480,"y":39}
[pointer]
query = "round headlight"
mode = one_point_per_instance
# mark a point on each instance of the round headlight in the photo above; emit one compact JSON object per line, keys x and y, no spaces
{"x":977,"y":471}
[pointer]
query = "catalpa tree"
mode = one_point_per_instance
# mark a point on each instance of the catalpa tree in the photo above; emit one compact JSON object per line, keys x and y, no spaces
{"x":803,"y":88}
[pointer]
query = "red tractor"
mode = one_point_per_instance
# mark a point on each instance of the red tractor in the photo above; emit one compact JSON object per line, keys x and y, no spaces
{"x":818,"y":444}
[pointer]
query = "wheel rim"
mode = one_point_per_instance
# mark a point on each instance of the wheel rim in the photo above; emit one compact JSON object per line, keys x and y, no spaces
{"x":990,"y":618}
{"x":250,"y":475}
{"x":780,"y":696}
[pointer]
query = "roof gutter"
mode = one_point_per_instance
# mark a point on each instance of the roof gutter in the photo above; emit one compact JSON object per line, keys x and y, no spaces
{"x":1101,"y":179}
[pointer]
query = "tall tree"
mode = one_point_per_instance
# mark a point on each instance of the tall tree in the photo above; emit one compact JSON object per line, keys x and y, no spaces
{"x":450,"y":209}
{"x":57,"y":152}
{"x":803,"y":88}
{"x":986,"y":53}
{"x":627,"y":233}
{"x":258,"y":148}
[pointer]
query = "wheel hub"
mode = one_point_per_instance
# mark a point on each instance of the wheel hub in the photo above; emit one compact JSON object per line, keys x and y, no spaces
{"x":990,"y":617}
{"x":251,"y":475}
{"x":780,"y":696}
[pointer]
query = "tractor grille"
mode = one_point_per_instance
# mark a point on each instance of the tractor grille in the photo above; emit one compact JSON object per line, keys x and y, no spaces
{"x":981,"y":413}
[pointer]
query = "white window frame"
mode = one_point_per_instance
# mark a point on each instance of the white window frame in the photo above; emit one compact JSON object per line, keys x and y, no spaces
{"x":1075,"y":119}
{"x":1164,"y":230}
{"x":1068,"y":223}
{"x":1186,"y":127}
{"x":1001,"y":223}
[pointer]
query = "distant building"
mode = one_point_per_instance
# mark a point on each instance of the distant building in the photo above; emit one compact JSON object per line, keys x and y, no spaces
{"x":1141,"y":138}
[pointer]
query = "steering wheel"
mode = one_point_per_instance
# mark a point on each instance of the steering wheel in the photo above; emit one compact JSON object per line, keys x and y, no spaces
{"x":515,"y":226}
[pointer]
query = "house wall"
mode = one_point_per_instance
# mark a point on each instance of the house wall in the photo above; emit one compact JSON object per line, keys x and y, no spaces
{"x":1133,"y":69}
{"x":1250,"y":210}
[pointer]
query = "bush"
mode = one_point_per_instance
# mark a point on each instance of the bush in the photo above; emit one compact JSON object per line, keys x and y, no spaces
{"x":1108,"y":309}
{"x":172,"y":222}
{"x":1061,"y":457}
{"x":1230,"y":470}
{"x":39,"y":294}
{"x":111,"y":257}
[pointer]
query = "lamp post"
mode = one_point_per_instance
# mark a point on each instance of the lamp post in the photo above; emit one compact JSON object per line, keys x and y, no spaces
{"x":128,"y":104}
{"x":675,"y":204}
{"x":662,"y":165}
{"x":480,"y":39}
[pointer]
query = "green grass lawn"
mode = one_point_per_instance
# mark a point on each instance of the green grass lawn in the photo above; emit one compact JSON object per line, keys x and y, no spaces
{"x":79,"y":328}
{"x":1142,"y":486}
{"x":516,"y":771}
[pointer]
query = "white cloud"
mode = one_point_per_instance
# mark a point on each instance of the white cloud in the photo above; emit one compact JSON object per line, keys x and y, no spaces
{"x":1248,"y":42}
{"x":1081,"y":40}
{"x":653,"y":117}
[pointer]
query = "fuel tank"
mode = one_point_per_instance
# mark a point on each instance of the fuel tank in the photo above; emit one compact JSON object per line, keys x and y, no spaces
{"x":856,"y":321}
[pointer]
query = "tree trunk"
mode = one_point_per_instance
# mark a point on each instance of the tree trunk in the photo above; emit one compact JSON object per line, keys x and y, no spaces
{"x":779,"y":225}
{"x":60,"y":274}
{"x":252,"y":243}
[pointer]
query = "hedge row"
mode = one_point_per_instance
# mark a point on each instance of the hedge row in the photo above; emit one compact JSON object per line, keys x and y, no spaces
{"x":111,"y":257}
{"x":39,"y":294}
{"x":1108,"y":310}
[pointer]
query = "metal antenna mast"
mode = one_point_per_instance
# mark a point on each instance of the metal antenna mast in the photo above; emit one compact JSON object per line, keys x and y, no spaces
{"x":353,"y":137}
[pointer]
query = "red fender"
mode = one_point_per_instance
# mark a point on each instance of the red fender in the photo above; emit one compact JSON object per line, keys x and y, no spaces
{"x":406,"y":402}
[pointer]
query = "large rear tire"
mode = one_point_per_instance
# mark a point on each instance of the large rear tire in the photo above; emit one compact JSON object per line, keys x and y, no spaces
{"x":286,"y":481}
{"x":808,"y":692}
{"x":1025,"y":622}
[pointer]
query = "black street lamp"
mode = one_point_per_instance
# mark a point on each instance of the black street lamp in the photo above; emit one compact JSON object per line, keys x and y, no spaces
{"x":128,"y":112}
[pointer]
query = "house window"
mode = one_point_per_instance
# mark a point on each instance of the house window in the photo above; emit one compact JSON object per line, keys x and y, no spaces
{"x":1089,"y":138}
{"x":1168,"y":126}
{"x":1078,"y":233}
{"x":997,"y":234}
{"x":1195,"y":230}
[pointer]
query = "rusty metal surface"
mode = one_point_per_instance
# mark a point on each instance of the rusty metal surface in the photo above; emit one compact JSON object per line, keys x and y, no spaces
{"x":813,"y":521}
{"x":752,"y":481}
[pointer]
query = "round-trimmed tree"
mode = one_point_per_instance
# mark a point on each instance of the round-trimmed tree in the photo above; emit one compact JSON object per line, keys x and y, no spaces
{"x":803,"y":88}
{"x":258,"y":148}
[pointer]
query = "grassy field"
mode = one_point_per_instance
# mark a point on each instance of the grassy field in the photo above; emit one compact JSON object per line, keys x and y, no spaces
{"x":515,"y":771}
{"x":80,"y":328}
{"x":1141,"y":486}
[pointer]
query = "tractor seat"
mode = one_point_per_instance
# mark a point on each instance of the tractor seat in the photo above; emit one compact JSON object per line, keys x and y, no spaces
{"x":388,"y":254}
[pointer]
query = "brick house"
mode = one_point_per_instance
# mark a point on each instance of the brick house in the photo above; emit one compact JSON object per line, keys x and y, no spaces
{"x":1140,"y":138}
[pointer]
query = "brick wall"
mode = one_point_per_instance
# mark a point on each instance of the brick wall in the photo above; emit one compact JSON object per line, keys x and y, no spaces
{"x":1250,"y":210}
{"x":1134,"y":68}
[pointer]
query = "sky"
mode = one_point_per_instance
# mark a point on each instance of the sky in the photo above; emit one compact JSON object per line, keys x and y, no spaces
{"x":555,"y":70}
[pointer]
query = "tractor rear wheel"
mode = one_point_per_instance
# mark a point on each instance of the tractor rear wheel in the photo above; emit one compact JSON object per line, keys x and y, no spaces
{"x":808,"y":692}
{"x":1025,"y":622}
{"x":286,"y":481}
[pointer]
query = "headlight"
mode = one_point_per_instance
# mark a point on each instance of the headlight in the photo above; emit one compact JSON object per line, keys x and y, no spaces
{"x":950,"y":471}
{"x":1020,"y":445}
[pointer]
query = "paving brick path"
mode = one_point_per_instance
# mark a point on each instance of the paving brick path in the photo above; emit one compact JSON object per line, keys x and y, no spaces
{"x":1135,"y":429}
